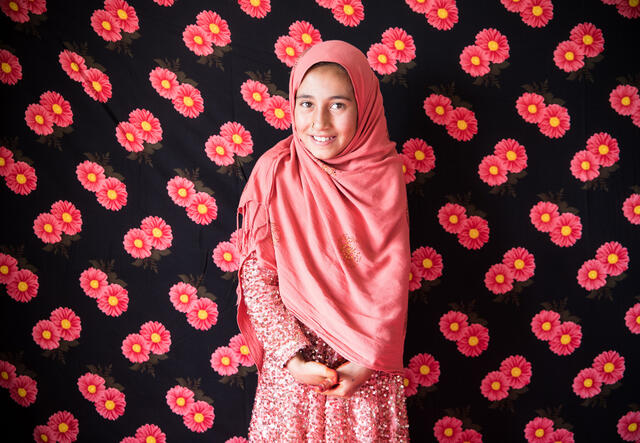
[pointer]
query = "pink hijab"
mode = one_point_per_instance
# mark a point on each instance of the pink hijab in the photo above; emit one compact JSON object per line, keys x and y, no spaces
{"x":336,"y":230}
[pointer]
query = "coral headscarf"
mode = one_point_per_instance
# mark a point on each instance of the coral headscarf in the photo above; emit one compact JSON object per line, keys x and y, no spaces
{"x":338,"y":228}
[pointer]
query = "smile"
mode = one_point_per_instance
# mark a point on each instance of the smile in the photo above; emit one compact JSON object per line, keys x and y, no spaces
{"x":322,"y":139}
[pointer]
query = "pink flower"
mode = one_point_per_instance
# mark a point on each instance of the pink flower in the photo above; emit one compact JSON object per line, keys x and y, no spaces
{"x":589,"y":38}
{"x":512,"y":154}
{"x":157,"y":336}
{"x":632,"y":319}
{"x":400,"y":43}
{"x":64,"y":426}
{"x":348,"y":12}
{"x":151,"y":432}
{"x":11,"y":70}
{"x":420,"y":154}
{"x":419,"y":6}
{"x":474,"y":232}
{"x":287,"y":50}
{"x":566,"y":230}
{"x":105,"y":25}
{"x":461,"y":123}
{"x":90,"y":174}
{"x":110,"y":404}
{"x":628,"y":8}
{"x":217,"y":27}
{"x":447,"y":430}
{"x":493,"y":170}
{"x":164,"y":82}
{"x":587,"y":383}
{"x":512,"y":5}
{"x":182,"y":296}
{"x":305,"y":34}
{"x":474,"y":61}
{"x":425,"y":368}
{"x":584,"y":166}
{"x":517,"y":370}
{"x":614,"y":257}
{"x":67,"y":323}
{"x":238,"y":344}
{"x":536,"y":13}
{"x":23,"y":390}
{"x":112,"y":194}
{"x":72,"y":64}
{"x":610,"y":366}
{"x":451,"y":217}
{"x":604,"y":147}
{"x":428,"y":262}
{"x":130,"y":137}
{"x":408,"y":170}
{"x":624,"y":99}
{"x":7,"y":374}
{"x":538,"y":430}
{"x":255,"y":8}
{"x":442,"y":14}
{"x":568,"y":56}
{"x":555,"y":121}
{"x":631,"y":208}
{"x":566,"y":339}
{"x":59,"y":109}
{"x":437,"y":107}
{"x":68,"y":215}
{"x":234,"y":236}
{"x":8,"y":267}
{"x":382,"y":59}
{"x":180,"y":399}
{"x":255,"y":94}
{"x":226,"y":257}
{"x":202,"y":209}
{"x":158,"y":232}
{"x":219,"y":150}
{"x":91,"y":386}
{"x":124,"y":14}
{"x":561,"y":436}
{"x":96,"y":84}
{"x":203,"y":314}
{"x":494,"y":44}
{"x":181,"y":191}
{"x":470,"y":436}
{"x":93,"y":281}
{"x":137,"y":243}
{"x":277,"y":112}
{"x":135,"y":348}
{"x":474,"y":340}
{"x":224,"y":361}
{"x":452,"y":324}
{"x":199,"y":417}
{"x":198,"y":40}
{"x":409,"y":382}
{"x":545,"y":324}
{"x":164,"y":3}
{"x":47,"y":228}
{"x":42,"y":434}
{"x":39,"y":119}
{"x":114,"y":300}
{"x":6,"y":161}
{"x":543,"y":215}
{"x":23,"y":286}
{"x":495,"y":386}
{"x":238,"y":137}
{"x":629,"y":426}
{"x":148,"y":124}
{"x":521,"y":263}
{"x":499,"y":279}
{"x":530,"y":107}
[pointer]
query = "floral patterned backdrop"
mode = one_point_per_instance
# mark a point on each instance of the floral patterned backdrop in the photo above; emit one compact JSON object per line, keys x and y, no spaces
{"x":130,"y":128}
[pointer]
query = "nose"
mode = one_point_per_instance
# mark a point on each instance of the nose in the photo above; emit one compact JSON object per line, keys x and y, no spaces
{"x":321,"y":118}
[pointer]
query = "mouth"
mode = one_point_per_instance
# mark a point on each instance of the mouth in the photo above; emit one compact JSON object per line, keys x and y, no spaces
{"x":323,"y":140}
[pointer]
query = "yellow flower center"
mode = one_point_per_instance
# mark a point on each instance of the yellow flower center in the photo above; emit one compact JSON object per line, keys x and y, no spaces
{"x":255,"y":3}
{"x":2,"y":161}
{"x":44,"y":438}
{"x":499,"y":278}
{"x":443,"y":13}
{"x":511,"y":155}
{"x":588,"y":382}
{"x":348,"y":9}
{"x":421,"y":1}
{"x":454,"y":326}
{"x":155,"y":337}
{"x":404,"y":169}
{"x":182,"y":192}
{"x":220,"y":150}
{"x":188,"y":101}
{"x":475,"y":60}
{"x":75,"y":67}
{"x":545,"y":217}
{"x":612,"y":258}
{"x":257,"y":96}
{"x":91,"y":177}
{"x":184,"y":298}
{"x":546,"y":326}
{"x":569,"y":56}
{"x":122,"y":14}
{"x":633,"y":3}
{"x":56,"y":108}
{"x":22,"y":392}
{"x":96,"y":86}
{"x":626,"y":101}
{"x":92,"y":389}
{"x":427,"y":263}
{"x":439,"y":110}
{"x":518,"y":264}
{"x":109,"y":405}
{"x":4,"y":269}
{"x":156,"y":232}
{"x":495,"y":385}
{"x":536,"y":10}
{"x":48,"y":228}
{"x":136,"y":348}
{"x":636,"y":210}
{"x":587,"y":39}
{"x":4,"y":375}
{"x":306,"y":38}
{"x":516,"y":372}
{"x":244,"y":350}
{"x":474,"y":233}
{"x":462,"y":125}
{"x":237,"y":139}
{"x":493,"y":170}
{"x":6,"y":68}
{"x":290,"y":51}
{"x":94,"y":284}
{"x":405,"y":382}
{"x":227,"y":256}
{"x":585,"y":165}
{"x":539,"y":432}
{"x":493,"y":45}
{"x":65,"y":324}
{"x":565,"y":339}
{"x":603,"y":149}
{"x":382,"y":58}
{"x":113,"y":300}
{"x":448,"y":432}
{"x":39,"y":119}
{"x":198,"y":40}
{"x":150,"y":439}
{"x":566,"y":230}
{"x":165,"y":84}
{"x":278,"y":113}
{"x":593,"y":274}
{"x":202,"y":209}
{"x":473,"y":341}
{"x":137,"y":243}
{"x":633,"y":427}
{"x":63,"y":427}
{"x":145,"y":125}
{"x":424,"y":370}
{"x":202,"y":314}
{"x":180,"y":401}
{"x":532,"y":109}
{"x":554,"y":121}
{"x":66,"y":217}
{"x":609,"y":367}
{"x":23,"y":286}
{"x":399,"y":45}
{"x":453,"y":219}
{"x":226,"y":361}
{"x":215,"y":29}
{"x":106,"y":25}
{"x":129,"y":136}
{"x":419,"y":155}
{"x":198,"y":417}
{"x":14,"y":6}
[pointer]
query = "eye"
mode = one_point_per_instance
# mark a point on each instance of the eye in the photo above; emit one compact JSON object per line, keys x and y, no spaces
{"x":305,"y":104}
{"x":337,"y":105}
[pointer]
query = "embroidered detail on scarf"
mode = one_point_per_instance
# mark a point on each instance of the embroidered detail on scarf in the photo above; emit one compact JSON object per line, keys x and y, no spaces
{"x":350,"y":250}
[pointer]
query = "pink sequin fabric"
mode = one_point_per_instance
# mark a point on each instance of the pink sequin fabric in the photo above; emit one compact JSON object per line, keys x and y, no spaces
{"x":285,"y":410}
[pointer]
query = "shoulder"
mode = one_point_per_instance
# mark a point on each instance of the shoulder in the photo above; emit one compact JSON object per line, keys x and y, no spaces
{"x":267,"y":161}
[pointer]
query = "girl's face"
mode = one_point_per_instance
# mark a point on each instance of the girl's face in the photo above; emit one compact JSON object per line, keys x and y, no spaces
{"x":326,"y":114}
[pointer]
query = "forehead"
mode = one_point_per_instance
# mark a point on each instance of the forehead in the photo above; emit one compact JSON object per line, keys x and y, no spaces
{"x":326,"y":78}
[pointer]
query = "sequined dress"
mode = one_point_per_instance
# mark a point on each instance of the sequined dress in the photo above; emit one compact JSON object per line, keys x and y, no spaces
{"x":285,"y":410}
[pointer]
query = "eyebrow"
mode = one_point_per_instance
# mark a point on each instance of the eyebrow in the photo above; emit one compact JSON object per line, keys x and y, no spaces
{"x":338,"y":97}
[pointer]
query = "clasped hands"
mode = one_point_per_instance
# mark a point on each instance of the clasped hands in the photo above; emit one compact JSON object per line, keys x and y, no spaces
{"x":340,"y":382}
